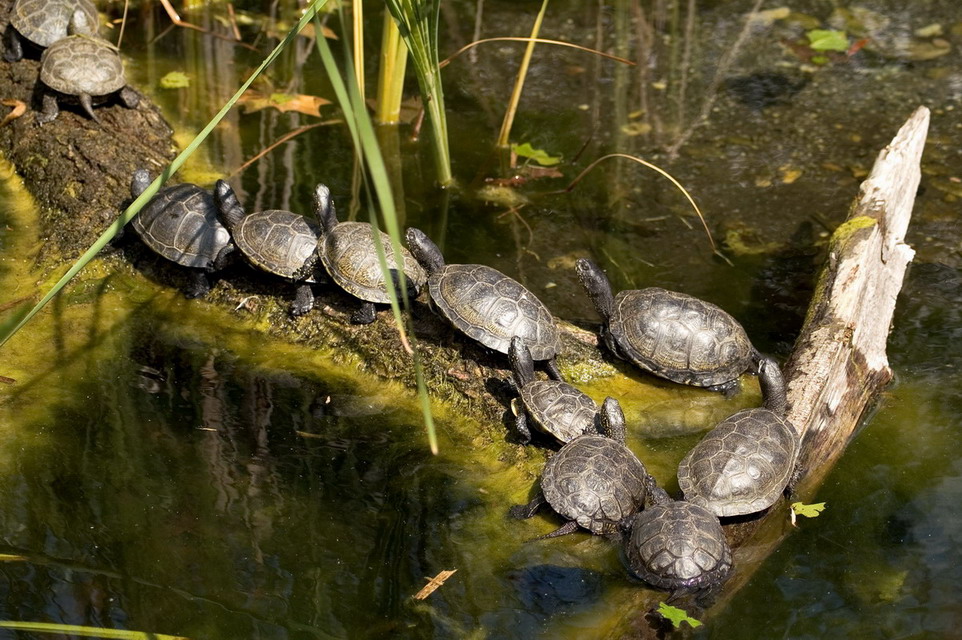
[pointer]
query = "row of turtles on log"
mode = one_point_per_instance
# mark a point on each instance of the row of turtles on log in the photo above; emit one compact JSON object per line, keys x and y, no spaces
{"x":594,"y":481}
{"x":75,"y":64}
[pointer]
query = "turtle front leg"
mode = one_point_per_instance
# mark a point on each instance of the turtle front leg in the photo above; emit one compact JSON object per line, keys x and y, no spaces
{"x":200,"y":284}
{"x":520,"y":421}
{"x":50,"y":109}
{"x":129,"y":97}
{"x":303,"y":300}
{"x":525,"y":511}
{"x":12,"y":45}
{"x":365,"y":314}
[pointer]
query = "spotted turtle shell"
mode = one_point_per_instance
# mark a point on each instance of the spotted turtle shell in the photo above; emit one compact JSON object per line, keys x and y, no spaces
{"x":678,"y":545}
{"x":279,"y":242}
{"x":350,"y":257}
{"x":679,"y":337}
{"x":82,"y":65}
{"x":180,"y":223}
{"x":594,"y":481}
{"x":492,"y":308}
{"x":44,"y":22}
{"x":742,"y":465}
{"x":558,"y":408}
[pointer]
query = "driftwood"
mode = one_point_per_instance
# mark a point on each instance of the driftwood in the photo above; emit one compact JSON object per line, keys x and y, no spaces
{"x":839,"y":365}
{"x":79,"y":173}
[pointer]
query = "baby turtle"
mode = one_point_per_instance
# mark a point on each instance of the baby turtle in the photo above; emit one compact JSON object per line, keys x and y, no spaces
{"x":594,"y":481}
{"x":745,"y":463}
{"x":669,"y":334}
{"x":348,"y":253}
{"x":555,"y":407}
{"x":180,"y":223}
{"x":82,"y":68}
{"x":275,"y":241}
{"x":485,"y":304}
{"x":43,"y":22}
{"x":678,"y":546}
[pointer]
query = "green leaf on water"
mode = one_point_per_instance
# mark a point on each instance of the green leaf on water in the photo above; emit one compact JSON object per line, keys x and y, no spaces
{"x":175,"y":80}
{"x":808,"y":510}
{"x":827,"y":40}
{"x":538,"y":155}
{"x":676,"y":615}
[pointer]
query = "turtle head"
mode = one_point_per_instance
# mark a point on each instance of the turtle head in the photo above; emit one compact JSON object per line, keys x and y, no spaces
{"x":773,"y":386}
{"x":139,"y":182}
{"x":229,"y":208}
{"x":521,"y":363}
{"x":612,"y":420}
{"x":424,"y":250}
{"x":324,"y":207}
{"x":596,"y":284}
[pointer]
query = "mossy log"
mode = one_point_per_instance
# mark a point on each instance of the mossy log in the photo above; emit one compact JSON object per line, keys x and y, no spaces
{"x":79,"y":173}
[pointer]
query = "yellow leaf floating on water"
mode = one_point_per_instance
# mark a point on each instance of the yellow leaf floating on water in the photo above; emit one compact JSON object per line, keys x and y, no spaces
{"x":175,"y":80}
{"x":254,"y":100}
{"x":434,"y":583}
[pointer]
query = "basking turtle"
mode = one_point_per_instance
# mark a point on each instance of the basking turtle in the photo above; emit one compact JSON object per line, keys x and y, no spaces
{"x":745,"y":463}
{"x":669,"y":334}
{"x":276,"y":241}
{"x":180,"y":223}
{"x":43,"y":22}
{"x":82,"y":68}
{"x":555,"y":407}
{"x":348,"y":253}
{"x":594,"y":481}
{"x":485,"y":304}
{"x":677,"y":545}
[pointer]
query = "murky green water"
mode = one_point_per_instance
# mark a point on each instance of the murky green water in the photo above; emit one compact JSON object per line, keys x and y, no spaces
{"x":162,"y":471}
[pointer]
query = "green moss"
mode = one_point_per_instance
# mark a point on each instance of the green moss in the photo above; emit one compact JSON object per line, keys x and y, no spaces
{"x":850,"y":226}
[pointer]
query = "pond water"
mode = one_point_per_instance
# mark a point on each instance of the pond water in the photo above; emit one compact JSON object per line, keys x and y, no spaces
{"x":162,"y":470}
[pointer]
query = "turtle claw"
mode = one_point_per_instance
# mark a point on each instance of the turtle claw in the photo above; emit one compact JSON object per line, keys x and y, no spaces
{"x":200,"y":286}
{"x":303,"y":301}
{"x":365,"y":314}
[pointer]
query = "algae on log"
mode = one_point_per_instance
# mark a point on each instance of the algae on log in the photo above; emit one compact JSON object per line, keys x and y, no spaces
{"x":839,"y":364}
{"x":78,"y":171}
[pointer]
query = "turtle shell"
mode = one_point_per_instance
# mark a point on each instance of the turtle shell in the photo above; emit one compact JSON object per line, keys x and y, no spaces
{"x":350,"y":257}
{"x":44,"y":22}
{"x":558,"y":408}
{"x":679,"y":337}
{"x":742,"y":465}
{"x":594,"y":481}
{"x":82,"y":65}
{"x":678,"y":545}
{"x":180,"y":223}
{"x":493,"y":308}
{"x":279,"y":242}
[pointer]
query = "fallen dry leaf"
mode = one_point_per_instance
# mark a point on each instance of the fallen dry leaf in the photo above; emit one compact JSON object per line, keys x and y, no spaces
{"x":433,"y":584}
{"x":254,"y":100}
{"x":19,"y":108}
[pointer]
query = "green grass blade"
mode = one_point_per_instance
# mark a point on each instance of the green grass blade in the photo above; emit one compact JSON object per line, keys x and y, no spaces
{"x":362,"y":133}
{"x":86,"y":632}
{"x":506,"y":124}
{"x":390,"y":79}
{"x":417,"y":21}
{"x":151,"y":191}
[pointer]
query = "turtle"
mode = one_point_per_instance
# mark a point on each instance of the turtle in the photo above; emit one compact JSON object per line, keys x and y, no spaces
{"x":748,"y":460}
{"x":485,"y":304}
{"x":276,"y":241}
{"x":348,"y":253}
{"x":43,"y":22}
{"x":594,"y":481}
{"x":677,"y":546}
{"x":84,"y":69}
{"x":555,"y":407}
{"x":180,"y":223}
{"x":672,"y":335}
